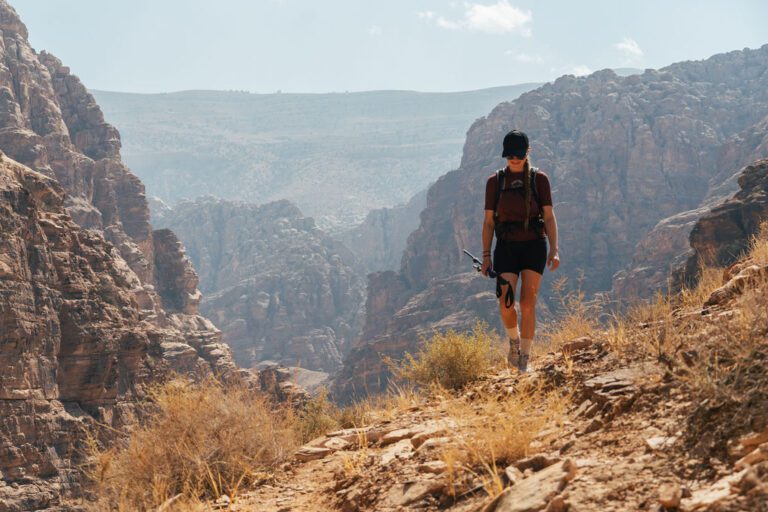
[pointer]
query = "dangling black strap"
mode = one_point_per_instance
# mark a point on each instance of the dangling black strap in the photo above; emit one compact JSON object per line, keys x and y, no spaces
{"x":509,"y":297}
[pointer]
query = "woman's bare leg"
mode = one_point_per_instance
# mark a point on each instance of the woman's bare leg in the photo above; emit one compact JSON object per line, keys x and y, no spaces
{"x":529,"y":290}
{"x":508,"y":314}
{"x":509,"y":317}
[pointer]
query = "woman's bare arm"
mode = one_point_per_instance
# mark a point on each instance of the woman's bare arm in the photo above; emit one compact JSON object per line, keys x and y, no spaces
{"x":550,"y":222}
{"x":488,"y":225}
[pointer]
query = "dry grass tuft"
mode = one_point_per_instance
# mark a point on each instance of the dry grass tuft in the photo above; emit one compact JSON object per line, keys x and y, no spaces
{"x":646,"y":329}
{"x":199,"y":442}
{"x":495,"y":431}
{"x":576,"y":317}
{"x":317,"y":417}
{"x":451,"y":360}
{"x":709,"y":279}
{"x":386,"y":406}
{"x":758,"y":246}
{"x":726,"y":375}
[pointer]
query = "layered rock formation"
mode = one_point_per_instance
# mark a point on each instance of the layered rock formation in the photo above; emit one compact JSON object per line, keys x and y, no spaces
{"x":278,"y":287}
{"x":93,"y":303}
{"x":666,"y":246}
{"x":722,"y":235}
{"x":378,"y":242}
{"x":622,"y":154}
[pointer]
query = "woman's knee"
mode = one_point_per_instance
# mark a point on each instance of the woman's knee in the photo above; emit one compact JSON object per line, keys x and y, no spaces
{"x":507,"y":311}
{"x":528,"y":302}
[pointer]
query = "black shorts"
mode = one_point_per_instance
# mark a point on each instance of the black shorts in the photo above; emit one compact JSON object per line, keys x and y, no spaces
{"x":513,"y":256}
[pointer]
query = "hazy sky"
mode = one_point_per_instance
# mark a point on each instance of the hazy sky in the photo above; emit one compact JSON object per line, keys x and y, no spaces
{"x":336,"y":45}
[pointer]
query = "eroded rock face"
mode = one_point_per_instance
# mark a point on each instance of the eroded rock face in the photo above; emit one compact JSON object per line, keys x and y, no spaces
{"x":76,"y":347}
{"x":277,"y":286}
{"x":722,"y":235}
{"x":665,"y":248}
{"x":378,"y":242}
{"x":82,"y":325}
{"x":622,"y":154}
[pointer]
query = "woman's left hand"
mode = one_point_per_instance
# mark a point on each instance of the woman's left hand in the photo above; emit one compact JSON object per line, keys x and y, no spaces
{"x":553,"y":260}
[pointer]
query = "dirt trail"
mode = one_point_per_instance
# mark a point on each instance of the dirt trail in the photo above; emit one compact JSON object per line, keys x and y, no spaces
{"x":301,"y":487}
{"x":631,"y":437}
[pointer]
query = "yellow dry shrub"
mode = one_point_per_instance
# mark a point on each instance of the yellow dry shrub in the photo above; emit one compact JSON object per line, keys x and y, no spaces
{"x":709,"y":279}
{"x":645,"y":329}
{"x":451,"y":359}
{"x":576,"y":317}
{"x":317,"y":417}
{"x":200,"y":440}
{"x":494,"y":431}
{"x":758,"y":247}
{"x":384,"y":406}
{"x":731,"y":361}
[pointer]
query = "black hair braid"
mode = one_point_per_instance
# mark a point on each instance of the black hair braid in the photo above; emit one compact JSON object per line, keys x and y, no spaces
{"x":527,"y":185}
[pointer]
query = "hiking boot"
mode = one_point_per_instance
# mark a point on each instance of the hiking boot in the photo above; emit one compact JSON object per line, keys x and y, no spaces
{"x":513,"y":356}
{"x":522,"y":363}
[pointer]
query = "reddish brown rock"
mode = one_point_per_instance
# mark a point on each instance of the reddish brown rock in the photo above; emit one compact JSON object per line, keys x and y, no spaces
{"x":83,"y":328}
{"x":279,"y":288}
{"x":622,"y":154}
{"x":722,"y":235}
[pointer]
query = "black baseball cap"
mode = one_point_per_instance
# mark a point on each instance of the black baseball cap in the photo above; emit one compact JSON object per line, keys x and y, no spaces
{"x":515,"y":144}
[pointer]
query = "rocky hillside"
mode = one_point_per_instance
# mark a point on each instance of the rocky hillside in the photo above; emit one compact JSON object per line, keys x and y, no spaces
{"x":337,"y":156}
{"x":623,"y":154}
{"x":379,"y":241}
{"x":94,"y":303}
{"x":278,"y":287}
{"x":665,"y":410}
{"x":723,"y":234}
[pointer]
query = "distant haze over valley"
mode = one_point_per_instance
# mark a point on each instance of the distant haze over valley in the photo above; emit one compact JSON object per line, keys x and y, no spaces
{"x":336,"y":156}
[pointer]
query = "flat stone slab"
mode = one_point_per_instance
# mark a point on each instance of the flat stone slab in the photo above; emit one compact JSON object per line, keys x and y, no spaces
{"x":535,"y":492}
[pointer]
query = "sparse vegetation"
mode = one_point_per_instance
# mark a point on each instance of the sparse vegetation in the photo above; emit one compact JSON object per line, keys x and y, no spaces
{"x":200,"y":441}
{"x":451,"y":359}
{"x":495,"y":431}
{"x":725,"y":371}
{"x":317,"y":417}
{"x":577,"y":317}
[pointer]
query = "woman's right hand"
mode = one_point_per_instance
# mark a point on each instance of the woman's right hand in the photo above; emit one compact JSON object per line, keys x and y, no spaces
{"x":486,"y":265}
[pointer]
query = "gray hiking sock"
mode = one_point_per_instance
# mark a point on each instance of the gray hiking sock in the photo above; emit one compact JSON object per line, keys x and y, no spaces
{"x":514,"y":352}
{"x":525,"y":345}
{"x":525,"y":353}
{"x":522,"y":363}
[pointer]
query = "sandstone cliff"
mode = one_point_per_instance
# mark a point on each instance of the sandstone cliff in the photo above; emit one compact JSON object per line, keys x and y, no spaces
{"x":378,"y":242}
{"x":278,"y":287}
{"x":723,"y":234}
{"x":94,"y":303}
{"x":76,"y":346}
{"x":622,"y":154}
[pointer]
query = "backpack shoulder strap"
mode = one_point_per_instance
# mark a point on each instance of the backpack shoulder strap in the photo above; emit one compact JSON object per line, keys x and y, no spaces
{"x":535,"y":189}
{"x":499,"y":186}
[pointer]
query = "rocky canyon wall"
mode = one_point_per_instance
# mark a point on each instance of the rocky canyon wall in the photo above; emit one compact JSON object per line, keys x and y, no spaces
{"x":622,"y":153}
{"x":722,"y":234}
{"x":94,"y":304}
{"x":379,"y":241}
{"x":279,"y":288}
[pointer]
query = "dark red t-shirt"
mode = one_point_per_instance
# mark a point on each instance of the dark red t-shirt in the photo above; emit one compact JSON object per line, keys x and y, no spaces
{"x":511,"y":207}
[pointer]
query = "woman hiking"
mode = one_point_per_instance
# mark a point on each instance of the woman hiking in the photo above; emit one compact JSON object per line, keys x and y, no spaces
{"x":518,"y":210}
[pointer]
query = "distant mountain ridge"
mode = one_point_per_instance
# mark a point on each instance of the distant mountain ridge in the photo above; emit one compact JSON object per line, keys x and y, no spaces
{"x":336,"y":156}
